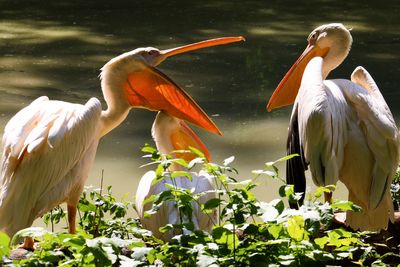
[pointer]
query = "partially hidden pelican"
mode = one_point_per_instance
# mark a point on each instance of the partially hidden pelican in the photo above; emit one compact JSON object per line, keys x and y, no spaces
{"x":342,"y":129}
{"x":171,"y":134}
{"x":49,"y":146}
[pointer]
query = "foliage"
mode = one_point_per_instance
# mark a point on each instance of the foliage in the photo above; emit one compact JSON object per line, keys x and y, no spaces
{"x":395,"y":189}
{"x":248,"y":232}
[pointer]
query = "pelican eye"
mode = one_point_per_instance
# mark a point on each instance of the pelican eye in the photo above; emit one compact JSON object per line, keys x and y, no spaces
{"x":151,"y":52}
{"x":313,"y":36}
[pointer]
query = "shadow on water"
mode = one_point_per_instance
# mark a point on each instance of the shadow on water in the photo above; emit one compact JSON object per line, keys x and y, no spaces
{"x":57,"y":48}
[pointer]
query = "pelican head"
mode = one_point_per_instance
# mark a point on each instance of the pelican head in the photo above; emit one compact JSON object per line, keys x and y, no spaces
{"x":131,"y":80}
{"x":332,"y":42}
{"x":170,"y":134}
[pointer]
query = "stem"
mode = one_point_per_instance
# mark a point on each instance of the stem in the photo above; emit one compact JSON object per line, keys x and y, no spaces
{"x":101,"y":182}
{"x":208,"y":215}
{"x":96,"y":229}
{"x":234,"y":240}
{"x":219,"y":187}
{"x":51,"y":220}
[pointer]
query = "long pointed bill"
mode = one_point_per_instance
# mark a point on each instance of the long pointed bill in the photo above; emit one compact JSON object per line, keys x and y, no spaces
{"x":151,"y":89}
{"x":200,"y":45}
{"x":286,"y":92}
{"x":183,"y":138}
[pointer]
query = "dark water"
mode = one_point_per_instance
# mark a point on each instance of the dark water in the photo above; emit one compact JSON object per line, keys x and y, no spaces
{"x":57,"y":48}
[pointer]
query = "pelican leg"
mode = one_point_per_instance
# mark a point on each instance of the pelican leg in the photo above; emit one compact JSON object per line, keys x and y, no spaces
{"x":71,"y":218}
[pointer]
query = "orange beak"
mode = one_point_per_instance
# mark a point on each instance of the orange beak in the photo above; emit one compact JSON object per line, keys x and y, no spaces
{"x":151,"y":89}
{"x":286,"y":92}
{"x":200,"y":45}
{"x":183,"y":138}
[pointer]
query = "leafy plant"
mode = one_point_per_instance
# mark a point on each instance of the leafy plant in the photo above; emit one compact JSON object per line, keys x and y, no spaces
{"x":247,"y":232}
{"x":395,"y":190}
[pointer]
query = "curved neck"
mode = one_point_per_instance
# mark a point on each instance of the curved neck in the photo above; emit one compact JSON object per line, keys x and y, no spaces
{"x":111,"y":118}
{"x":117,"y":105}
{"x":339,"y":47}
{"x":312,"y":80}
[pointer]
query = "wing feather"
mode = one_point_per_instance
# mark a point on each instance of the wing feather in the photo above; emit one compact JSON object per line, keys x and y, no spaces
{"x":296,"y":166}
{"x":42,"y":145}
{"x":379,"y":128}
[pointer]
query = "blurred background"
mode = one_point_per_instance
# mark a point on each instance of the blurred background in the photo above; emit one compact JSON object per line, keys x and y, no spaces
{"x":56,"y":48}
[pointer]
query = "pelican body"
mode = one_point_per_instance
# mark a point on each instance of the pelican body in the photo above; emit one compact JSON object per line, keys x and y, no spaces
{"x":172,"y":134}
{"x":343,"y":129}
{"x":49,"y":146}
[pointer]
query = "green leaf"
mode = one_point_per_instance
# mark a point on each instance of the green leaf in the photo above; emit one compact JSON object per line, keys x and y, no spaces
{"x":148,"y":149}
{"x":94,"y":246}
{"x":29,"y":232}
{"x":320,"y":190}
{"x":295,"y":228}
{"x":4,"y":245}
{"x":212,"y":203}
{"x":321,"y":241}
{"x":286,"y":190}
{"x":181,"y":162}
{"x":160,"y":170}
{"x":344,"y":205}
{"x":275,"y":230}
{"x":175,"y":174}
{"x":197,"y":152}
{"x":166,"y":228}
{"x":285,"y":158}
{"x":224,"y":236}
{"x":278,"y":204}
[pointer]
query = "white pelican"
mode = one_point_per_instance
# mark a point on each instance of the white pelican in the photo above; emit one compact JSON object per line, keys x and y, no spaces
{"x":171,"y":134}
{"x":49,"y":146}
{"x":343,"y":129}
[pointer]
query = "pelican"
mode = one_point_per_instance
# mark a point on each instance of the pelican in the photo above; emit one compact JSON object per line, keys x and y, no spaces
{"x":170,"y":134}
{"x":343,"y":129}
{"x":49,"y":146}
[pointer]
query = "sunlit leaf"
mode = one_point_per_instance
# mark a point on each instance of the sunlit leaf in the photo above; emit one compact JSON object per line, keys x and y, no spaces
{"x":295,"y":228}
{"x":29,"y":232}
{"x":266,"y":172}
{"x":286,"y":190}
{"x":228,"y":161}
{"x":275,"y":230}
{"x":322,"y":241}
{"x":285,"y":158}
{"x":181,"y":162}
{"x":175,"y":174}
{"x":225,"y":236}
{"x":4,"y":244}
{"x":195,"y":161}
{"x":166,"y":228}
{"x":148,"y":149}
{"x":344,"y":205}
{"x":197,"y":152}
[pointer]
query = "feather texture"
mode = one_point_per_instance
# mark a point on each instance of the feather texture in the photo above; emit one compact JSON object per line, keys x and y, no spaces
{"x":55,"y":137}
